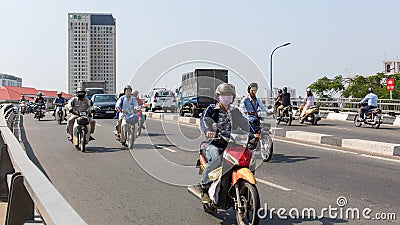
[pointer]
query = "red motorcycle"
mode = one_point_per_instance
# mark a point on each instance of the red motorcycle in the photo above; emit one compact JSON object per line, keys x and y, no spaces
{"x":233,"y":182}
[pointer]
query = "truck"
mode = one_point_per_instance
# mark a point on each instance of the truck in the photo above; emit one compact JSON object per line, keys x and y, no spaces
{"x":93,"y":87}
{"x":197,"y":90}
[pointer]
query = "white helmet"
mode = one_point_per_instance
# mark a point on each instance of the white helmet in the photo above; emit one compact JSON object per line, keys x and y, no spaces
{"x":59,"y":93}
{"x":225,"y":88}
{"x":308,"y":89}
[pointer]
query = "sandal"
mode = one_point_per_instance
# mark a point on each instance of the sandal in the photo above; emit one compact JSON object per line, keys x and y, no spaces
{"x":118,"y":138}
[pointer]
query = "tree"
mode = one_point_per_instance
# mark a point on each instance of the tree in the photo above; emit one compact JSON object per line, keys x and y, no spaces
{"x":327,"y":88}
{"x":358,"y":86}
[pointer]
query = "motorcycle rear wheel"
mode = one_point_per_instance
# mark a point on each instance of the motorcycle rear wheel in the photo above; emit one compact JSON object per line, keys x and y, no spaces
{"x":250,"y":202}
{"x":377,"y":123}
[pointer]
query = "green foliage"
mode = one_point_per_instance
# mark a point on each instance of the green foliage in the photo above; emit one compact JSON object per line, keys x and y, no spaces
{"x":326,"y":88}
{"x":358,"y":86}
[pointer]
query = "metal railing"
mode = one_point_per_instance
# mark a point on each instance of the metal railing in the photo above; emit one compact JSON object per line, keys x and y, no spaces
{"x":24,"y":186}
{"x":388,"y":106}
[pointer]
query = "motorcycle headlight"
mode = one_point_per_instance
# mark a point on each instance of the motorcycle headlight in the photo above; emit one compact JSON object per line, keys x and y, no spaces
{"x":240,"y":139}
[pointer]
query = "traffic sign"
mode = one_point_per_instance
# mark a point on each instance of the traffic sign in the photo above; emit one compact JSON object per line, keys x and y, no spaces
{"x":390,"y":84}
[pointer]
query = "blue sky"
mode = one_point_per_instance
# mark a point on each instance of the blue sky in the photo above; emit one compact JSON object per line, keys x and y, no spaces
{"x":328,"y":37}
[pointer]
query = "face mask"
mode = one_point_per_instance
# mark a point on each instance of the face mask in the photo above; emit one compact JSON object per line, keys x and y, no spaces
{"x":225,"y":100}
{"x":81,"y":96}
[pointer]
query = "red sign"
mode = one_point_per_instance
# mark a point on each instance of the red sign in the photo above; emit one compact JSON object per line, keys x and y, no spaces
{"x":390,"y":84}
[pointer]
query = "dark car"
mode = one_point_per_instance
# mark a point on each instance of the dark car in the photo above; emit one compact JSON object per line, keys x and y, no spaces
{"x":104,"y":105}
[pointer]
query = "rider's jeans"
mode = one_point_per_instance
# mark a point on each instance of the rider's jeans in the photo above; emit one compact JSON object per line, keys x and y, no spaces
{"x":212,"y":152}
{"x":365,"y":109}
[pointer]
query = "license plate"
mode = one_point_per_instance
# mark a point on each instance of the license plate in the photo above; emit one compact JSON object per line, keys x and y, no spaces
{"x":109,"y":112}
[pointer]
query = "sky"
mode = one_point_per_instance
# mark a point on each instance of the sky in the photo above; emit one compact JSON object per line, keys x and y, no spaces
{"x":327,"y":38}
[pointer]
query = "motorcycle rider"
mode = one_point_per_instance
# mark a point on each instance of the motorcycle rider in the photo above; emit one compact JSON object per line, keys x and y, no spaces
{"x":78,"y":104}
{"x":285,"y":100}
{"x":22,"y":99}
{"x":277,"y":101}
{"x":39,"y":101}
{"x":372,"y":100}
{"x":125,"y":102}
{"x":228,"y":118}
{"x":307,"y":103}
{"x":135,"y":94}
{"x":59,"y":101}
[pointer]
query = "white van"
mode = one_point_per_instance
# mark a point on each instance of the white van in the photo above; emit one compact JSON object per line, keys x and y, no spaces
{"x":161,"y":100}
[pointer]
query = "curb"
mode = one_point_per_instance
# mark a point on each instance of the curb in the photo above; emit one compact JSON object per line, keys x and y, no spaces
{"x":375,"y":147}
{"x":391,"y":120}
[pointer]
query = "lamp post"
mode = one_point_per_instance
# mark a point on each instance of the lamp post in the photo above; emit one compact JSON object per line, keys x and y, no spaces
{"x":270,"y":73}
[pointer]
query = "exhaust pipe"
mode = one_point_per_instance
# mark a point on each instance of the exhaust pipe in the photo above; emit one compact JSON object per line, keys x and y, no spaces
{"x":194,"y":190}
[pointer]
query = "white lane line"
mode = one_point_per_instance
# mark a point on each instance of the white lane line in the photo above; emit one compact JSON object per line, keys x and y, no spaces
{"x":339,"y":128}
{"x":273,"y":185}
{"x":165,"y":148}
{"x":176,"y":122}
{"x":98,"y":125}
{"x":382,"y":158}
{"x":315,"y":146}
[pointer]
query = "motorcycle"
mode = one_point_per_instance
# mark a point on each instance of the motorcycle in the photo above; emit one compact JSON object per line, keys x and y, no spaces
{"x":313,"y":116}
{"x":234,"y":184}
{"x":81,"y":131}
{"x":30,"y":107}
{"x":286,"y":116}
{"x":142,"y":119}
{"x":22,"y":107}
{"x":129,"y":128}
{"x":373,"y":117}
{"x":263,"y":141}
{"x":40,"y":111}
{"x":60,"y":113}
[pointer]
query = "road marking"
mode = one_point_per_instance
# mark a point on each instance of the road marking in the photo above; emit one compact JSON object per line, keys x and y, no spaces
{"x":339,"y":128}
{"x":162,"y":147}
{"x":273,"y":185}
{"x":176,"y":122}
{"x":314,"y":146}
{"x":98,"y":125}
{"x":382,"y":158}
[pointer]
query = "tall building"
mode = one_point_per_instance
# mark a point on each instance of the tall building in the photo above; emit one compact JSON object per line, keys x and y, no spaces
{"x":391,"y":66}
{"x":10,"y":80}
{"x":91,"y":50}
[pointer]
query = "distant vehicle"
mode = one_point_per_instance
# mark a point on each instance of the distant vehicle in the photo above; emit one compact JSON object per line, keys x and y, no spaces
{"x":197,"y":90}
{"x":104,"y":105}
{"x":160,"y":99}
{"x":92,"y":91}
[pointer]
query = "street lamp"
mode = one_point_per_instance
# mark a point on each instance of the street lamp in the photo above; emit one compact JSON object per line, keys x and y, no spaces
{"x":270,"y":73}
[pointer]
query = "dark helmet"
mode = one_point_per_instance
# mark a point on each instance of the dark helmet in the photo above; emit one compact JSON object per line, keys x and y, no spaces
{"x":127,"y":87}
{"x":279,"y":91}
{"x":370,"y":90}
{"x":252,"y":85}
{"x":284,"y":89}
{"x":80,"y":92}
{"x":39,"y":93}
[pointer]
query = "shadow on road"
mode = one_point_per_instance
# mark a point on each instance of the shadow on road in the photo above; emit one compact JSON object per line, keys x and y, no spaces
{"x":104,"y":150}
{"x":282,"y":158}
{"x":28,"y":147}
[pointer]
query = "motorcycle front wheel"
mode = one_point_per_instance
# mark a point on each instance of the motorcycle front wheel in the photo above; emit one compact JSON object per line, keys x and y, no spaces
{"x":83,"y":141}
{"x":250,"y":204}
{"x":131,"y":136}
{"x":266,"y":147}
{"x":357,"y":122}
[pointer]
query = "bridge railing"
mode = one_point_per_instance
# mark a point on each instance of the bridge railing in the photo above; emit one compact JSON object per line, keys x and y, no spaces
{"x":388,"y":106}
{"x":25,"y":188}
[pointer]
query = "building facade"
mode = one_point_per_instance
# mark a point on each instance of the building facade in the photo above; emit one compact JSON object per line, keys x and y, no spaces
{"x":391,"y":66}
{"x":91,"y":50}
{"x":10,"y":80}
